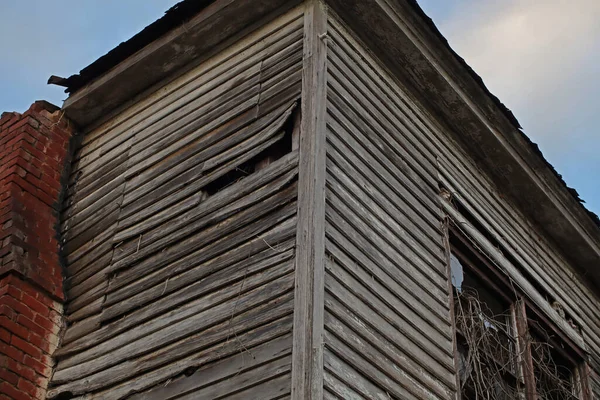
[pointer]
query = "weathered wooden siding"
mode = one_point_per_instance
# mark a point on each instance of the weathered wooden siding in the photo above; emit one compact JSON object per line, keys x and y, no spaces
{"x":385,"y":158}
{"x":179,"y":231}
{"x":387,"y":320}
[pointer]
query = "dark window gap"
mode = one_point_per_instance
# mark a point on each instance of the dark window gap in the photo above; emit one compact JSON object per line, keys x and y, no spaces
{"x":260,"y":161}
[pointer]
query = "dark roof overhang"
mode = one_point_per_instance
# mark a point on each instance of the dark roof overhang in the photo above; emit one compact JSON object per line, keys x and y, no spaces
{"x":410,"y":46}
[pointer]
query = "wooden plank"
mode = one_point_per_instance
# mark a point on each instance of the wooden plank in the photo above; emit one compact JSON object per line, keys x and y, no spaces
{"x":87,"y":252}
{"x":357,"y":110}
{"x":209,"y":145}
{"x":183,"y":255}
{"x":514,"y":275}
{"x":222,"y":150}
{"x":189,"y":43}
{"x":336,"y":389}
{"x":79,"y":329}
{"x":215,"y":349}
{"x":408,"y":304}
{"x":208,"y":213}
{"x":346,"y":325}
{"x":282,"y":171}
{"x":383,"y":175}
{"x":204,"y":120}
{"x":339,"y":247}
{"x":199,"y":287}
{"x":188,"y":188}
{"x":383,"y":239}
{"x":423,"y":334}
{"x":387,"y":322}
{"x":358,"y":193}
{"x":347,"y":373}
{"x":205,"y":376}
{"x":177,"y":92}
{"x":176,"y":325}
{"x":370,"y":362}
{"x":174,"y":297}
{"x":279,"y":368}
{"x":276,"y":388}
{"x":229,"y":330}
{"x":562,"y":284}
{"x":307,"y":356}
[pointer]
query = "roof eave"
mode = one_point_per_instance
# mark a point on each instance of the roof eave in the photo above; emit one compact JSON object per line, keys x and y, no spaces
{"x":216,"y":23}
{"x":410,"y":46}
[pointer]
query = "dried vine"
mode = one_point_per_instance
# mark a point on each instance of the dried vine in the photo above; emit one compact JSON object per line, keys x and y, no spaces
{"x":490,"y":356}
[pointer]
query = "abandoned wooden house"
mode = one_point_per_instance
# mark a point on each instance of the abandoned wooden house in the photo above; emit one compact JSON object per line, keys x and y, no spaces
{"x":275,"y":199}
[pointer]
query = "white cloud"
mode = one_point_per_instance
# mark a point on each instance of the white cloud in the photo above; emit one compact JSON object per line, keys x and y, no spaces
{"x":539,"y":56}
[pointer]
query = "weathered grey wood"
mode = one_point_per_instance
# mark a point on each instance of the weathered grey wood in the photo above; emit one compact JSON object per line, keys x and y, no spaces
{"x":432,"y":136}
{"x":514,"y":274}
{"x":380,"y":238}
{"x":200,"y":286}
{"x":105,"y":224}
{"x":79,"y":329}
{"x":174,"y":326}
{"x":188,"y":188}
{"x":85,"y":267}
{"x":206,"y":120}
{"x":172,"y":95}
{"x":572,"y":296}
{"x":422,"y":334}
{"x":388,"y":289}
{"x":206,"y":214}
{"x":275,"y":369}
{"x":335,"y":389}
{"x":211,"y":353}
{"x":206,"y":148}
{"x":352,"y":378}
{"x":376,"y":172}
{"x":379,"y":266}
{"x":87,"y":252}
{"x":217,"y":23}
{"x":347,"y":323}
{"x":185,"y":254}
{"x":307,"y":356}
{"x":245,"y":360}
{"x":361,"y":111}
{"x":242,"y":256}
{"x":197,"y":208}
{"x":273,"y":389}
{"x":91,"y":307}
{"x":228,"y":331}
{"x":190,"y":273}
{"x":370,"y":198}
{"x":368,"y":362}
{"x":384,"y":320}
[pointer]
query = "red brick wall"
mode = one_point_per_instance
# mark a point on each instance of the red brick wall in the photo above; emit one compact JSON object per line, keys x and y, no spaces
{"x":33,"y":153}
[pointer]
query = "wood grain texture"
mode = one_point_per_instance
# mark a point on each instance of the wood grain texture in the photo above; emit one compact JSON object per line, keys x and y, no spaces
{"x":486,"y":203}
{"x":307,"y":356}
{"x":181,"y":251}
{"x":388,"y":330}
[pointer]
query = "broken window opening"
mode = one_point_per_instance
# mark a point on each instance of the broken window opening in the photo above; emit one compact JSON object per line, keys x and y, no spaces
{"x":273,"y":153}
{"x":495,"y":360}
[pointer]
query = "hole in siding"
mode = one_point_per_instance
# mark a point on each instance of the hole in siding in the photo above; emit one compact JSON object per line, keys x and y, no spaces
{"x":268,"y":156}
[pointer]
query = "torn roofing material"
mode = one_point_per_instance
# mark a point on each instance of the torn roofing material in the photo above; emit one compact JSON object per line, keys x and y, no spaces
{"x":174,"y":17}
{"x":505,"y":110}
{"x":186,"y":9}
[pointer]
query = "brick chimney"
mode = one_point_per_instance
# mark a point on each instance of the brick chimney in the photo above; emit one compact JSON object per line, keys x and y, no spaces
{"x":33,"y":153}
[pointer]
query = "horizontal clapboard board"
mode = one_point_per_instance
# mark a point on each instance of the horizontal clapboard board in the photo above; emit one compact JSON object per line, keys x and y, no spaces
{"x":179,"y":231}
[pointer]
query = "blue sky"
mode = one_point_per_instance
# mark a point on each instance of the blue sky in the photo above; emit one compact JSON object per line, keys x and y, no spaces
{"x":540,"y":57}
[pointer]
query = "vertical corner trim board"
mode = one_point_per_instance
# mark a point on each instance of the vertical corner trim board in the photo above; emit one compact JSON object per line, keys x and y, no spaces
{"x":180,"y":233}
{"x":307,"y":357}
